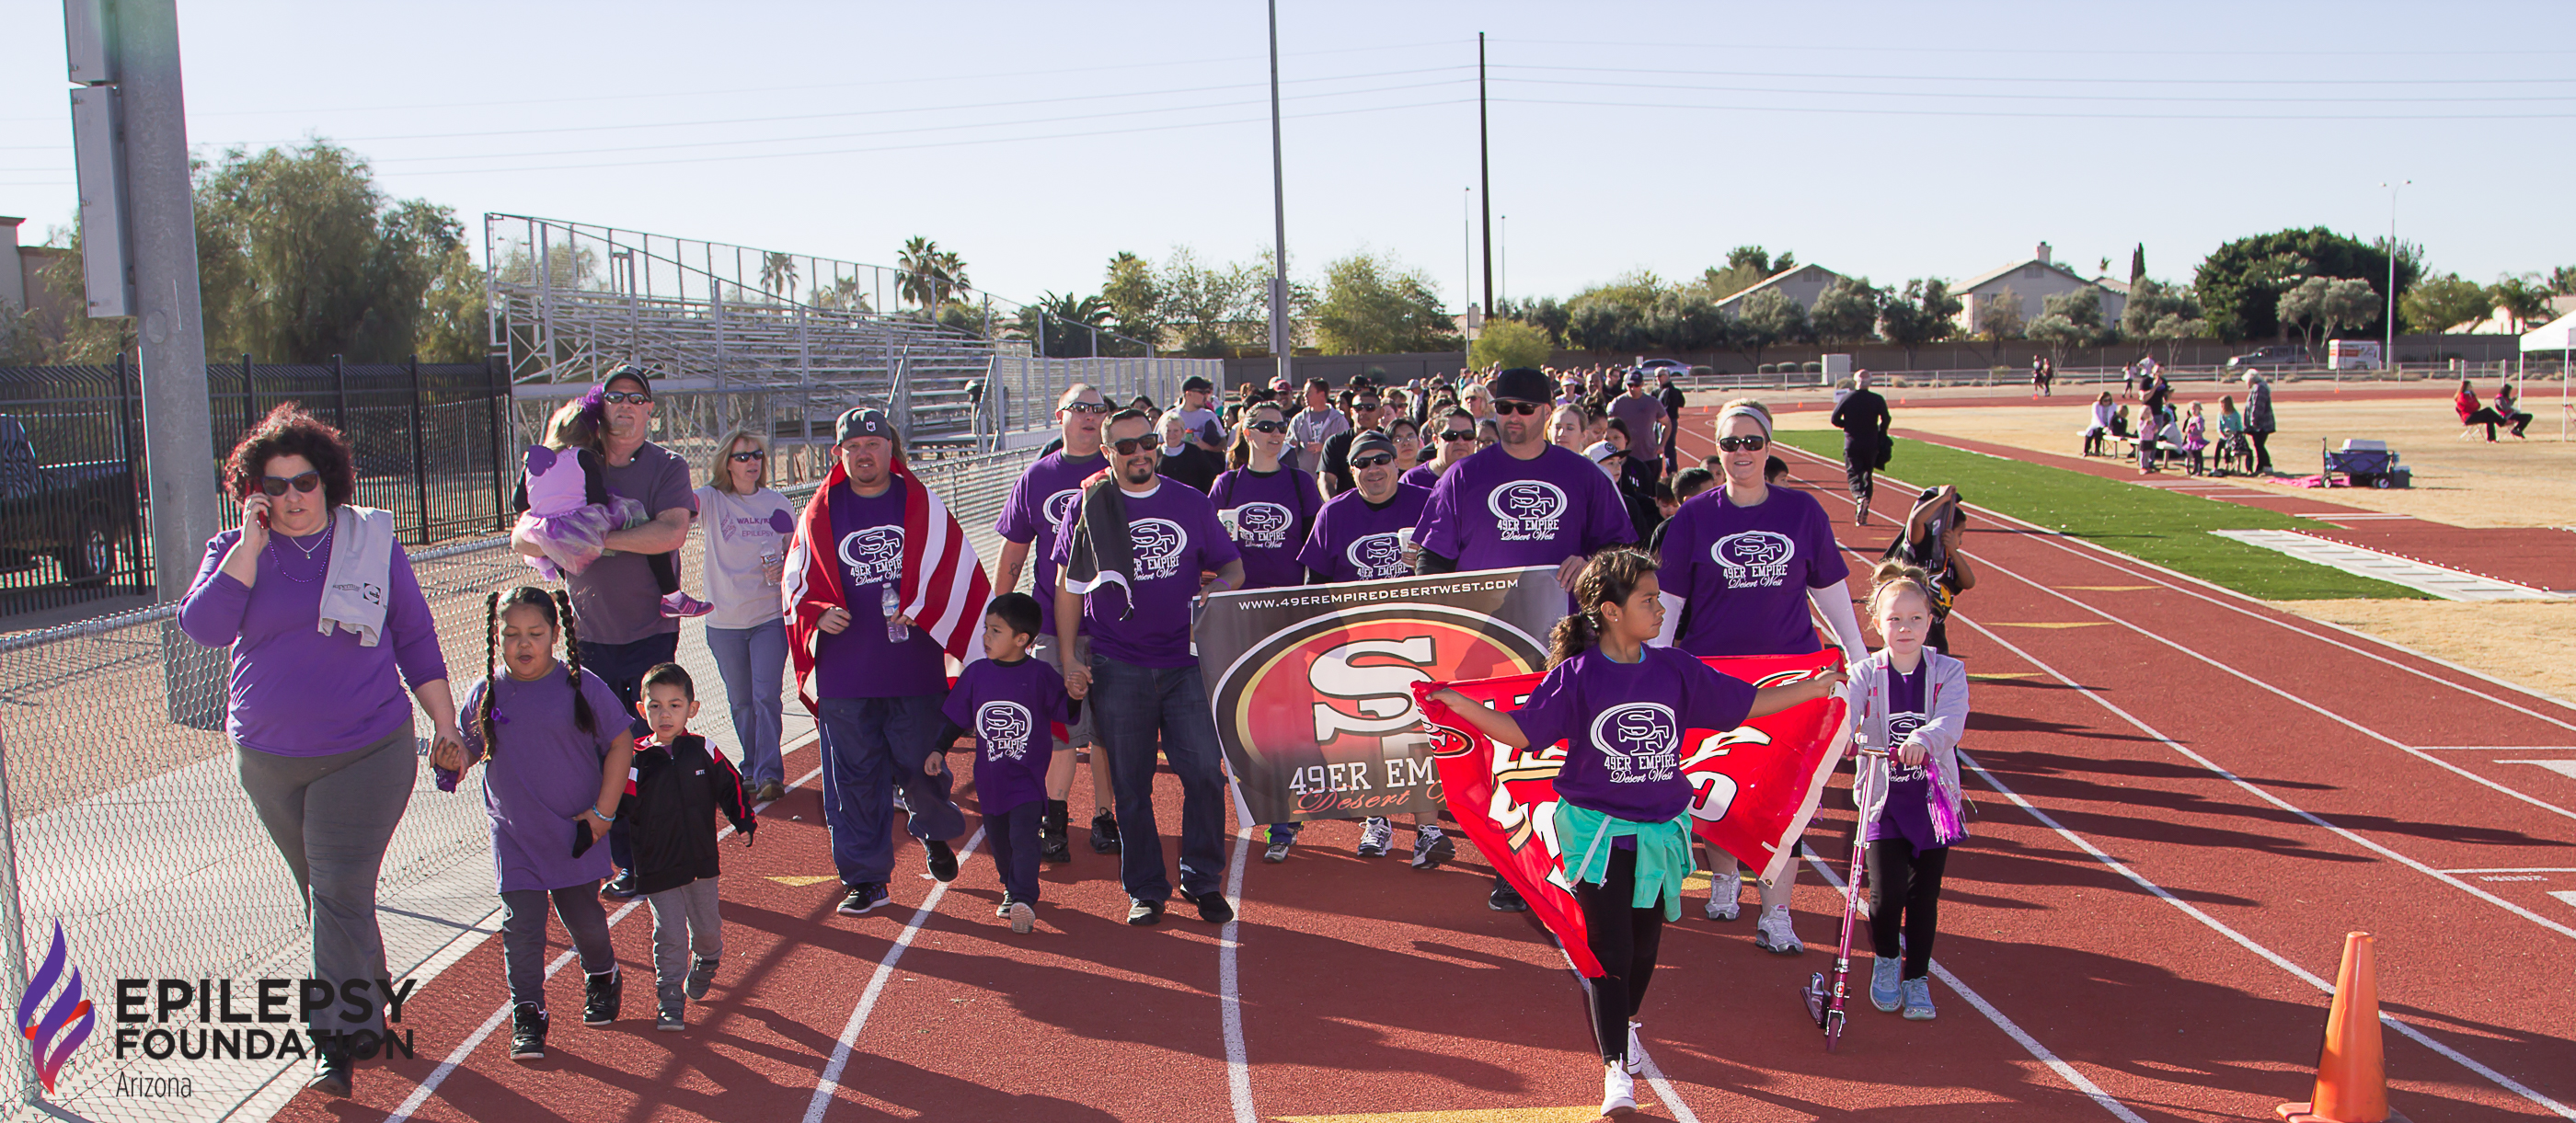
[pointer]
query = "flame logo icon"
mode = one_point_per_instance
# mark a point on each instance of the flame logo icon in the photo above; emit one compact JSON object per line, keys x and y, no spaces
{"x":70,"y":1016}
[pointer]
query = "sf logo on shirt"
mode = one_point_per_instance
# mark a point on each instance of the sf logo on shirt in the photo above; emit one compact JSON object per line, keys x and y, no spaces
{"x":1900,"y":727}
{"x":1753,"y":558}
{"x":1157,"y":545}
{"x":1262,"y":525}
{"x":1378,"y":555}
{"x":1640,"y":741}
{"x":1005,"y":728}
{"x":873,"y":555}
{"x":1058,"y":504}
{"x":1527,"y":510}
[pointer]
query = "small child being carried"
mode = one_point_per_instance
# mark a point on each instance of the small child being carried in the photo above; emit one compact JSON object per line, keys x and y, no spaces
{"x":567,"y":510}
{"x":677,"y":788}
{"x":1008,"y":701}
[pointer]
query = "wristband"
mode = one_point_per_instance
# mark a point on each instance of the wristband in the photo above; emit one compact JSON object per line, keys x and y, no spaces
{"x":601,"y":816}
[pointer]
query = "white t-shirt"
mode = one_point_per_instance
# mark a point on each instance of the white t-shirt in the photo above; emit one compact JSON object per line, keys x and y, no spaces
{"x":739,"y":530}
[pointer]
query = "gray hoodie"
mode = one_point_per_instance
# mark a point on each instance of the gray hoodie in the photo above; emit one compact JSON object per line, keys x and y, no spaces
{"x":1946,"y":703}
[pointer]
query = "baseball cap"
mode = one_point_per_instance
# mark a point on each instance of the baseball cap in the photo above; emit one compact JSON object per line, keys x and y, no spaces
{"x":1600,"y":451}
{"x":629,"y":371}
{"x":1523,"y":384}
{"x":1197,"y":382}
{"x":1636,"y":377}
{"x":1372,"y":440}
{"x":863,"y":422}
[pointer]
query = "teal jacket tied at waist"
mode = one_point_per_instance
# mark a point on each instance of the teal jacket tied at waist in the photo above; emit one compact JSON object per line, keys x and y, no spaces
{"x":1663,"y":853}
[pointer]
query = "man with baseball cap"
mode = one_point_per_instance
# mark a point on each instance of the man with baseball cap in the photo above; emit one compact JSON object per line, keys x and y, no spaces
{"x":1521,"y":502}
{"x":1038,"y":501}
{"x":877,"y":692}
{"x":1646,"y":419}
{"x":1198,"y":416}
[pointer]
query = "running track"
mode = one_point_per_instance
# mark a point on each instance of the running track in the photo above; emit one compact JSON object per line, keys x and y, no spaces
{"x":2186,"y":800}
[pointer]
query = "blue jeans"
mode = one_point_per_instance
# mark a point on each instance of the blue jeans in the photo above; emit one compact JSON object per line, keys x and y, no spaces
{"x":753,"y":662}
{"x":871,"y":746}
{"x":1132,"y":706}
{"x":622,"y":667}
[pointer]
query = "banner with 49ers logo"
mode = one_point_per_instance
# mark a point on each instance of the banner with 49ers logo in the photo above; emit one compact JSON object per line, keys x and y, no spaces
{"x":1312,"y":686}
{"x":1757,"y":784}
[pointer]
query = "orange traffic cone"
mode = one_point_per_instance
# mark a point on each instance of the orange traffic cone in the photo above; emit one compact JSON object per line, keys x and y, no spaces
{"x":2352,"y":1075}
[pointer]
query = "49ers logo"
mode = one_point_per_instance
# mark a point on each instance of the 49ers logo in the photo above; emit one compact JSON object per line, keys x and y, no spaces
{"x":1333,"y":697}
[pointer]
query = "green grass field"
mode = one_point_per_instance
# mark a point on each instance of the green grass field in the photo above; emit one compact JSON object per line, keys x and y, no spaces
{"x":2168,"y":528}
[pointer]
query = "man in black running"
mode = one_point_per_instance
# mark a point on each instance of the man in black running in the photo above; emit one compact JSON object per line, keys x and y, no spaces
{"x":1864,"y":420}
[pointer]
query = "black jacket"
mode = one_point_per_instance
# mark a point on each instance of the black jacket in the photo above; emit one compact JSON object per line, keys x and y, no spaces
{"x":1864,"y":420}
{"x":672,"y":799}
{"x":1193,"y":465}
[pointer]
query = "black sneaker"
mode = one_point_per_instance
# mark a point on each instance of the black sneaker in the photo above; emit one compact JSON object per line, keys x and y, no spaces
{"x":670,"y":1019}
{"x":1212,"y":906}
{"x":1052,"y":846}
{"x":601,"y":997}
{"x":941,"y":860}
{"x":333,"y":1070}
{"x":1141,"y":912}
{"x":702,"y":974}
{"x":1429,"y":850}
{"x":620,"y":887}
{"x":863,"y":898}
{"x":1505,"y":898}
{"x":1104,"y":833}
{"x":527,"y":1032}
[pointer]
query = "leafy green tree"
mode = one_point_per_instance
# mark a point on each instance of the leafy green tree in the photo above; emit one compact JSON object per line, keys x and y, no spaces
{"x":1135,"y":297}
{"x":2562,"y":280}
{"x":1746,"y":266}
{"x":931,"y":276}
{"x":778,"y":274}
{"x":2137,"y":265}
{"x":1847,"y":311}
{"x":2158,"y":312}
{"x":1070,"y":322}
{"x":307,"y":259}
{"x":1769,"y":317}
{"x":1378,"y":306}
{"x":1547,"y":314}
{"x":1212,"y":309}
{"x":1686,"y":321}
{"x":455,"y":319}
{"x":1924,"y":313}
{"x":1607,"y":326}
{"x":843,"y":294}
{"x":2068,"y":320}
{"x":2439,"y":303}
{"x":2523,"y":299}
{"x":1511,"y":343}
{"x":2241,"y":283}
{"x":2320,"y":304}
{"x":1999,"y":317}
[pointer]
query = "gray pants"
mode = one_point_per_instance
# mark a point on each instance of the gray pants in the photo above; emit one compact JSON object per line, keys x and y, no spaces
{"x":684,"y":919}
{"x":523,"y":936}
{"x":330,"y":818}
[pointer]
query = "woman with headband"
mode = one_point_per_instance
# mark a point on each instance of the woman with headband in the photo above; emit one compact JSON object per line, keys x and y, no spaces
{"x":1748,"y":559}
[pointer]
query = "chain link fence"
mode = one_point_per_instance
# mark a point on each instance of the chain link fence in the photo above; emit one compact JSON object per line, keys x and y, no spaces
{"x":130,"y":829}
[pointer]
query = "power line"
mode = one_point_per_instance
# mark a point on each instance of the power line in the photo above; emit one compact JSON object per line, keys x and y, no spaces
{"x":2050,"y":51}
{"x":1883,"y":112}
{"x":2051,"y":96}
{"x":2195,"y":82}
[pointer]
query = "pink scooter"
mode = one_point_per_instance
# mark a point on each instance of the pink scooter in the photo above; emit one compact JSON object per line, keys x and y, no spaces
{"x":1825,"y":1004}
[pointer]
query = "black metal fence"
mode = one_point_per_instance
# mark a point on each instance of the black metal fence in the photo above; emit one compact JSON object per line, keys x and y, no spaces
{"x":429,"y":441}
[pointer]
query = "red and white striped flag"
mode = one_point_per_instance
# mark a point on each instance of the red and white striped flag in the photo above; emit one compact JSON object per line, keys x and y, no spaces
{"x":943,"y":587}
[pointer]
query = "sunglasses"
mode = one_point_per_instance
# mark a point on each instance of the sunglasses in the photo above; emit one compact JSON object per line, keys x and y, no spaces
{"x":1457,"y":434}
{"x":277,"y":485}
{"x":1364,"y":405}
{"x":1523,"y":409}
{"x":1743,"y":444}
{"x":1133,"y":445}
{"x":748,"y":457}
{"x":622,"y":397}
{"x":1087,"y":407}
{"x":1268,"y":426}
{"x":1359,"y":462}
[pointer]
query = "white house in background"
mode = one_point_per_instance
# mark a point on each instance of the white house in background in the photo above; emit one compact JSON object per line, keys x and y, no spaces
{"x":1802,"y":284}
{"x":2033,"y":280}
{"x":2500,"y":322}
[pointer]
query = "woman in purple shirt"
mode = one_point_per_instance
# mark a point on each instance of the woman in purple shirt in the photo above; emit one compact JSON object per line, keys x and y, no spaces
{"x":1267,"y":508}
{"x":322,"y":734}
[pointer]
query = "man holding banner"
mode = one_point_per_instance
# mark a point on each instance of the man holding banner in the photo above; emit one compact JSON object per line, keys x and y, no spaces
{"x":1522,"y":502}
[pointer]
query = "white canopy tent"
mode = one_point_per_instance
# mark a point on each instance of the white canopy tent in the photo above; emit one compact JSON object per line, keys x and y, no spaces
{"x":2557,"y":335}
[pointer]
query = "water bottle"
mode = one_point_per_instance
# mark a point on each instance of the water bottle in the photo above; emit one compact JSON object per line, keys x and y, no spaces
{"x":891,"y":605}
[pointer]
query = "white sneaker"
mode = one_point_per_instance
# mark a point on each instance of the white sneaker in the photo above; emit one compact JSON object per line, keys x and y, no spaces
{"x":1636,"y":1052}
{"x":1725,"y":896}
{"x":1773,"y":934}
{"x":1375,"y":835}
{"x":1918,"y":999}
{"x":1618,"y":1091}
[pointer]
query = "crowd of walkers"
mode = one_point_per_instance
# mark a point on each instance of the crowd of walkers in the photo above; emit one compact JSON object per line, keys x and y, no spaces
{"x":1133,"y":519}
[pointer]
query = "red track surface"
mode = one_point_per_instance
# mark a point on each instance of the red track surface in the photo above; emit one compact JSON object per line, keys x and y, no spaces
{"x":1365,"y":987}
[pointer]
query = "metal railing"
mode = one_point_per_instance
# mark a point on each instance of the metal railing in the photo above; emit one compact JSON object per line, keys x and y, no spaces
{"x":132,"y":832}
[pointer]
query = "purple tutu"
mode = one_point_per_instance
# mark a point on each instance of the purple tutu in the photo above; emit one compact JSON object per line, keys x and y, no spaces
{"x":572,"y":540}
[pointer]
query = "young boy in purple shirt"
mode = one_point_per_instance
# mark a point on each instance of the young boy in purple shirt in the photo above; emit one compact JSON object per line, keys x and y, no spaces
{"x":1006,"y":701}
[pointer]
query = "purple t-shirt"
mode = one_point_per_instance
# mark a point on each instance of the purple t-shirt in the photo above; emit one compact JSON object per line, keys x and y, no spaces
{"x":546,"y":773}
{"x":296,"y":691}
{"x":1354,"y":541}
{"x":1038,"y":501}
{"x":1745,"y":571}
{"x":1422,"y":475}
{"x":1011,"y":709}
{"x":616,"y":599}
{"x":1623,"y":723}
{"x":1642,"y":413}
{"x":1908,"y":812}
{"x":1174,"y":536}
{"x":867,"y":536}
{"x":1490,"y":511}
{"x":1273,"y":512}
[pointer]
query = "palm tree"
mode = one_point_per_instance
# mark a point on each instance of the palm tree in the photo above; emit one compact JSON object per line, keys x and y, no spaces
{"x":778,"y":274}
{"x":920,"y":261}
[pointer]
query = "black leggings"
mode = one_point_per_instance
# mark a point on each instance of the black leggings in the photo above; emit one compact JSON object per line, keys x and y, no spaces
{"x":1905,"y":888}
{"x":1624,"y":939}
{"x":2262,"y":449}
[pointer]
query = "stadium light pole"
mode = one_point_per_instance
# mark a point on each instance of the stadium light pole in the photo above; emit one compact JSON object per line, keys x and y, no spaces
{"x":1279,"y":340}
{"x":2390,"y":327}
{"x":1484,"y":172}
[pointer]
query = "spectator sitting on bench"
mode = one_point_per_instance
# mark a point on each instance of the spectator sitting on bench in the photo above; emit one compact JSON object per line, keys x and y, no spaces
{"x":2507,"y":412}
{"x":2465,"y":403}
{"x":2101,"y":425}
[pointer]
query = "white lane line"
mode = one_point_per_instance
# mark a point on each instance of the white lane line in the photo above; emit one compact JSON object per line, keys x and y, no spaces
{"x":2567,"y":895}
{"x":849,"y":1039}
{"x":2122,"y":868}
{"x":2020,"y":1037}
{"x":2518,"y":869}
{"x":464,"y":1049}
{"x":1238,"y":1066}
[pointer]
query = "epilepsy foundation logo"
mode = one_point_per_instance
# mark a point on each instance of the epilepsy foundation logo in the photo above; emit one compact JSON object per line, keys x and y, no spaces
{"x":70,"y":1018}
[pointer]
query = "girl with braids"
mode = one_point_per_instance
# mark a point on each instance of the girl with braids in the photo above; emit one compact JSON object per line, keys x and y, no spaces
{"x":1911,"y":702}
{"x":553,"y":737}
{"x":1623,"y":811}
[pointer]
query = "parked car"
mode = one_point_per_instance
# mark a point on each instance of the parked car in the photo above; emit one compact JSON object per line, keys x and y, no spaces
{"x":1652,"y":367}
{"x":77,"y":514}
{"x":2276,"y":356}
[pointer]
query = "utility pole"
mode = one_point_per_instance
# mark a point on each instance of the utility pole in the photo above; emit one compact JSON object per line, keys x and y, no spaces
{"x":2388,"y":361}
{"x":137,"y":216}
{"x":1485,"y":172}
{"x":1280,"y":341}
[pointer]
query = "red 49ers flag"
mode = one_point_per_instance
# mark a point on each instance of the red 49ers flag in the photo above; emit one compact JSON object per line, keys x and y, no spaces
{"x":1756,"y":784}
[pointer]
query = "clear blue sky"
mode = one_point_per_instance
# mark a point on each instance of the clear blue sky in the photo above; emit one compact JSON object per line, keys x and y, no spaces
{"x":1893,"y":140}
